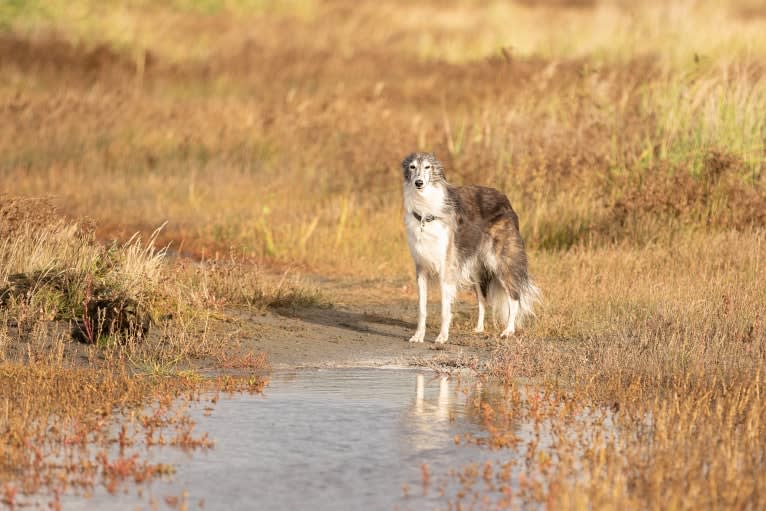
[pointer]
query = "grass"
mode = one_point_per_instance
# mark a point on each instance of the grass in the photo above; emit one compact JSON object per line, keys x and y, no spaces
{"x":644,"y":359}
{"x":222,"y":165}
{"x":56,"y":271}
{"x":657,"y":311}
{"x":630,"y":139}
{"x":707,"y":111}
{"x":64,"y":402}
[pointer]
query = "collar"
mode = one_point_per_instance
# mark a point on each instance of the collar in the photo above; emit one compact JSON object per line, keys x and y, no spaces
{"x":423,"y":219}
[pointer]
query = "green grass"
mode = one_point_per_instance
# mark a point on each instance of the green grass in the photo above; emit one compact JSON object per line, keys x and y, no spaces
{"x":703,"y":110}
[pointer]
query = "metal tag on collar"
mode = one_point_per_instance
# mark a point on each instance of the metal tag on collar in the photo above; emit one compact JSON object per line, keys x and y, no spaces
{"x":428,"y":218}
{"x":423,"y":219}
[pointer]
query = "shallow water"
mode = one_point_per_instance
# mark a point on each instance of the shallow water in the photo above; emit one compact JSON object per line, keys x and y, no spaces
{"x":322,"y":439}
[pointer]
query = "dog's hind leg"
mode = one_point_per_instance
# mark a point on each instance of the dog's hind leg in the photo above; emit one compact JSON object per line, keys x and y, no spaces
{"x":513,"y":309}
{"x":448,"y":291}
{"x":420,"y":332}
{"x":482,"y":305}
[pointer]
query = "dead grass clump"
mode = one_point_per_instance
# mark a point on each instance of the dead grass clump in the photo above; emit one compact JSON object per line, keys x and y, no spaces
{"x":247,"y":360}
{"x":112,"y":318}
{"x":110,"y":295}
{"x":62,"y":273}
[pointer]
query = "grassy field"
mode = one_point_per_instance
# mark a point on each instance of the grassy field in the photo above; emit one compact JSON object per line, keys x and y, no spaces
{"x":266,"y":136}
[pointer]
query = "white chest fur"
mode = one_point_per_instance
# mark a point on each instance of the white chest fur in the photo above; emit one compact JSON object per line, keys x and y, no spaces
{"x":428,"y":241}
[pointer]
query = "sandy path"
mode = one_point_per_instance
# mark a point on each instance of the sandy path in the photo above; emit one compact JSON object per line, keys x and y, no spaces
{"x":373,"y":333}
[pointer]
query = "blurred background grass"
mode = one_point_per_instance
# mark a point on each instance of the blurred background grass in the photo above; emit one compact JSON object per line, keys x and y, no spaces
{"x":274,"y":129}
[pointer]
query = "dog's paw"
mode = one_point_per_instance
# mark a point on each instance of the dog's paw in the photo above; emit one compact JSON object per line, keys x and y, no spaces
{"x":507,"y":333}
{"x":418,"y":337}
{"x":441,"y":338}
{"x":479,"y":330}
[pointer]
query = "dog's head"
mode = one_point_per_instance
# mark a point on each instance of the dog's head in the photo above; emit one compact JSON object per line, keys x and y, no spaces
{"x":421,"y":170}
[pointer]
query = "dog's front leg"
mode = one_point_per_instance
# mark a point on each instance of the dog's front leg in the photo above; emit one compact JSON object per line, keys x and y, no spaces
{"x":448,"y":291}
{"x":420,"y":333}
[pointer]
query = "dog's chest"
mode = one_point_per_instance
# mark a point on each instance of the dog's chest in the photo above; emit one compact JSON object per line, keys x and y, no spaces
{"x":428,"y":241}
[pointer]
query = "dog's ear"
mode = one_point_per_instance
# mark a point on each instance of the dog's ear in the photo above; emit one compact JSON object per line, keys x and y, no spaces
{"x":406,"y":164}
{"x":438,"y":167}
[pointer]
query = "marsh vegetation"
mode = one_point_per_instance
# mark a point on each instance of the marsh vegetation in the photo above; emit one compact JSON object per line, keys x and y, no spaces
{"x":264,"y":137}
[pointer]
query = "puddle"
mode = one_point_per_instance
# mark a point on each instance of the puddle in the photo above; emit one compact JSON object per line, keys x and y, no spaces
{"x":326,"y":439}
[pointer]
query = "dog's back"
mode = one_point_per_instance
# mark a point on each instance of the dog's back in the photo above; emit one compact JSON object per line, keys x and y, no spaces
{"x":481,"y":204}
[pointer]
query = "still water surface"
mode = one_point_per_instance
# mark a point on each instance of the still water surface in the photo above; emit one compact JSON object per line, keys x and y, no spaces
{"x":322,"y":440}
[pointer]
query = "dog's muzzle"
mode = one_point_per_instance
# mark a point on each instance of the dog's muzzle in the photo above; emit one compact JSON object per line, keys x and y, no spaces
{"x":419,"y":184}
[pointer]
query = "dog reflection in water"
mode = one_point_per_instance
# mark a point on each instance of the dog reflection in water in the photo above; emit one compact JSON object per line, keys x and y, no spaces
{"x":441,"y":411}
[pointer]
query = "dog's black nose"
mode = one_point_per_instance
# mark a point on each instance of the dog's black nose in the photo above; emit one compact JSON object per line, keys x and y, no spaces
{"x":419,"y":183}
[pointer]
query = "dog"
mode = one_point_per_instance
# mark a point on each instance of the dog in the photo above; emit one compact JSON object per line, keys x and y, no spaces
{"x":464,"y":236}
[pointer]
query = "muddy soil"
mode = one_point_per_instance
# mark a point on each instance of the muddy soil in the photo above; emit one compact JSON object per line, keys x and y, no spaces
{"x":368,"y":324}
{"x":361,"y":335}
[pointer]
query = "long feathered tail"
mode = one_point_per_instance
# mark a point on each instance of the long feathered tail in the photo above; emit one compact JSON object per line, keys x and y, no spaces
{"x":529,"y":295}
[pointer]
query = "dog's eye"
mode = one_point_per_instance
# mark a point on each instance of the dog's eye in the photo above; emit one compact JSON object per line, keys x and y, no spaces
{"x":412,"y":166}
{"x":428,"y":167}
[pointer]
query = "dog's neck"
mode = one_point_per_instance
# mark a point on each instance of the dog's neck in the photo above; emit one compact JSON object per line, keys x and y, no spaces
{"x":432,"y":200}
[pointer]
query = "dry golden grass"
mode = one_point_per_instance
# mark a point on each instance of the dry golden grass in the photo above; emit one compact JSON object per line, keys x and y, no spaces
{"x":285,"y":147}
{"x":663,"y":309}
{"x":51,"y":270}
{"x":651,"y":362}
{"x":630,"y":137}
